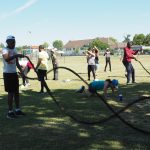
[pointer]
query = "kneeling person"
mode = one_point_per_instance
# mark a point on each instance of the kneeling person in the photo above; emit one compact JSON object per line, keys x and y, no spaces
{"x":98,"y":85}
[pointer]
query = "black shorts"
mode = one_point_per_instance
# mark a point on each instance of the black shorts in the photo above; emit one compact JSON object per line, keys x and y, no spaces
{"x":41,"y":74}
{"x":11,"y":82}
{"x":91,"y":89}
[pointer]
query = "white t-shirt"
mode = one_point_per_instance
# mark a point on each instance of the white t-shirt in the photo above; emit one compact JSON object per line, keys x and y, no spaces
{"x":9,"y":67}
{"x":91,"y":60}
{"x":44,"y":60}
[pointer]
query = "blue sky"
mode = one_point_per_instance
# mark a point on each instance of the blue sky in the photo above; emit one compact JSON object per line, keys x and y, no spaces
{"x":49,"y":20}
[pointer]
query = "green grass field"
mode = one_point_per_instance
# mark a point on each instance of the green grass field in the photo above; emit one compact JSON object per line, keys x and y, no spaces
{"x":45,"y":128}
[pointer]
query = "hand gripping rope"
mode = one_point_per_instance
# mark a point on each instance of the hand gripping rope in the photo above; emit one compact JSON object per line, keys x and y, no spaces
{"x":115,"y":113}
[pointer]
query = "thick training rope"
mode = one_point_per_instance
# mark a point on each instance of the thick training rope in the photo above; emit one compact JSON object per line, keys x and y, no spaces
{"x":143,"y":67}
{"x":115,"y":114}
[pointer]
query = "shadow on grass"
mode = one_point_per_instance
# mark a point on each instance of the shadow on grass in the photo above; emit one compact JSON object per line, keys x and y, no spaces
{"x":45,"y":127}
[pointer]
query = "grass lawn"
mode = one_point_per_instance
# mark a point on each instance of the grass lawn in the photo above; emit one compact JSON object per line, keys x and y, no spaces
{"x":45,"y":128}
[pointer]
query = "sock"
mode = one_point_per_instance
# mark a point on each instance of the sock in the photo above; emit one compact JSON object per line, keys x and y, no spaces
{"x":17,"y":109}
{"x":10,"y":111}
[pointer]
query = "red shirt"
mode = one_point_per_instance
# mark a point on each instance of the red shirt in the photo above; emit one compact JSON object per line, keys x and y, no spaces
{"x":128,"y":54}
{"x":29,"y":65}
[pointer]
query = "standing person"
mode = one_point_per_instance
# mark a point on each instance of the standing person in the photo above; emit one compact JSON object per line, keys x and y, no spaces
{"x":91,"y":62}
{"x":11,"y":81}
{"x":107,"y":58}
{"x":42,"y":66}
{"x":96,"y":58}
{"x":128,"y":55}
{"x":54,"y":63}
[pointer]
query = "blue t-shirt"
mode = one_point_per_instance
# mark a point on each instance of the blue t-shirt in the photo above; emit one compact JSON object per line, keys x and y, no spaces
{"x":9,"y":67}
{"x":97,"y":85}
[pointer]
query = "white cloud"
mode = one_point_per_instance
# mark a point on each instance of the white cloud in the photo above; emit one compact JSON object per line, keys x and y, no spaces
{"x":18,"y":10}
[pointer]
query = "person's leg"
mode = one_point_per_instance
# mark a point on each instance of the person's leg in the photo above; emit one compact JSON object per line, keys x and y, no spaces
{"x":93,"y":70}
{"x":42,"y":87}
{"x":133,"y":73}
{"x":10,"y":101}
{"x":127,"y":67}
{"x":26,"y":81}
{"x":56,"y":73}
{"x":43,"y":74}
{"x":109,"y":65}
{"x":89,"y":70}
{"x":129,"y":72}
{"x":106,"y":64}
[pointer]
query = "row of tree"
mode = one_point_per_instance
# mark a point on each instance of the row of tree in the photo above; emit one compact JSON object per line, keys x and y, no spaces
{"x":56,"y":44}
{"x":138,"y":39}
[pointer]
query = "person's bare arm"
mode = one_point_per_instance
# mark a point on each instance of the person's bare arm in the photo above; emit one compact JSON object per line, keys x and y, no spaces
{"x":39,"y":62}
{"x":105,"y":88}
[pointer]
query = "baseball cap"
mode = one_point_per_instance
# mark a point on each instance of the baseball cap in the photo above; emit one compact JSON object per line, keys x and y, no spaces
{"x":115,"y":83}
{"x":10,"y":37}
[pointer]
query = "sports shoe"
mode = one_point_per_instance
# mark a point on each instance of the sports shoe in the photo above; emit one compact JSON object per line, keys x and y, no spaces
{"x":11,"y":115}
{"x":19,"y":113}
{"x":129,"y":83}
{"x":28,"y":84}
{"x":81,"y":89}
{"x":41,"y":92}
{"x":134,"y":82}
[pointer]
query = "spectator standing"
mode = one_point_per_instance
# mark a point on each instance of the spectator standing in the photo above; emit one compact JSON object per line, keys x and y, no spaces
{"x":54,"y":63}
{"x":107,"y":59}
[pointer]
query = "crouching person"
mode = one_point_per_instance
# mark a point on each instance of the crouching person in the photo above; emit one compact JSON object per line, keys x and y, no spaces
{"x":99,"y":85}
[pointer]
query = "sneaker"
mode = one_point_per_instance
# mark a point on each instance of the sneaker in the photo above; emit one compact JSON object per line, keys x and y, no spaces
{"x":11,"y":115}
{"x":81,"y":89}
{"x":129,"y":83}
{"x":28,"y":84}
{"x":19,"y":113}
{"x":134,"y":82}
{"x":41,"y":92}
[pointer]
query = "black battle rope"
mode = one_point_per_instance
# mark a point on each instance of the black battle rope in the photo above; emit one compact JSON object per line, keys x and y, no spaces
{"x":115,"y":114}
{"x":143,"y":67}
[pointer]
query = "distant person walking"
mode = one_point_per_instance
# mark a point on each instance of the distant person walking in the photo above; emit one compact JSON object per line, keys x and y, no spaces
{"x":42,"y":66}
{"x":128,"y":55}
{"x":107,"y":59}
{"x":54,"y":63}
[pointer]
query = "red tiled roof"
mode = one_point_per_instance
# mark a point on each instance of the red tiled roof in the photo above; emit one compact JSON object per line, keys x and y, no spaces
{"x":82,"y":43}
{"x":77,"y":43}
{"x":34,"y":47}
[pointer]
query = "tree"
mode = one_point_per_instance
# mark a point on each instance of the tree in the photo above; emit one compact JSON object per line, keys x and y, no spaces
{"x":58,"y":44}
{"x":19,"y":48}
{"x":138,"y":39}
{"x":45,"y":44}
{"x":1,"y":45}
{"x":99,"y":44}
{"x":147,"y":40}
{"x":127,"y":38}
{"x":113,"y":39}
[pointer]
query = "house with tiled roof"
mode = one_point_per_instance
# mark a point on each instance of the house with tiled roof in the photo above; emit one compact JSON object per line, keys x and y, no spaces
{"x":77,"y":47}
